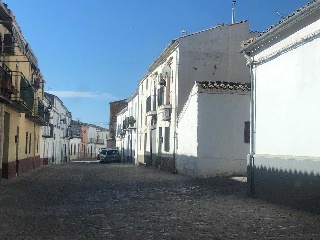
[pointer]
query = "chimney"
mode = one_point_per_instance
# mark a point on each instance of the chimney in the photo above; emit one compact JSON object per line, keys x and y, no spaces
{"x":233,"y":11}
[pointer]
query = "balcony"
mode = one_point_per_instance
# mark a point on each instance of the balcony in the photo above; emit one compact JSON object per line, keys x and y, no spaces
{"x":39,"y":115}
{"x":165,"y":111}
{"x":23,"y":101}
{"x":6,"y":84}
{"x":149,"y":110}
{"x":48,"y":131}
{"x":100,"y":141}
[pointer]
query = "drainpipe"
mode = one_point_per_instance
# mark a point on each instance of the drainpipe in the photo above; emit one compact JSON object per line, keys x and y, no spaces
{"x":175,"y":113}
{"x":251,"y":63}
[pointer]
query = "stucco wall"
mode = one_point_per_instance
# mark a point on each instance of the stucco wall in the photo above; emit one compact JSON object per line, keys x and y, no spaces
{"x":211,"y":134}
{"x":187,"y":138}
{"x":288,"y":100}
{"x":212,"y":56}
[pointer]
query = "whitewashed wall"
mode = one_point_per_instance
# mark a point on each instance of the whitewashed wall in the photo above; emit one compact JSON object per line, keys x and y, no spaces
{"x":212,"y":56}
{"x":187,"y":137}
{"x":288,"y":90}
{"x":211,"y":134}
{"x":222,"y":117}
{"x":133,"y":110}
{"x":75,"y":148}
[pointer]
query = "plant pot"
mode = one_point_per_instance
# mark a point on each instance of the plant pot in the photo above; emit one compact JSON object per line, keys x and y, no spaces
{"x":13,"y":90}
{"x":5,"y":84}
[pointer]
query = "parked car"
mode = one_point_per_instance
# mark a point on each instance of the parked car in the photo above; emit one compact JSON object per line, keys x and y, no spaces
{"x":110,"y":155}
{"x":98,"y":155}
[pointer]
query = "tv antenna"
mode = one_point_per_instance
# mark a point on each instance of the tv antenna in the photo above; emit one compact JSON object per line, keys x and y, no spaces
{"x":280,"y":15}
{"x":233,"y":11}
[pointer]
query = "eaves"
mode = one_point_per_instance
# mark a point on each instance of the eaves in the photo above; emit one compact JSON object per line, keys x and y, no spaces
{"x":274,"y":30}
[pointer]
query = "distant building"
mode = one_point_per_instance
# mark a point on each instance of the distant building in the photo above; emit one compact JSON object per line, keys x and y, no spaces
{"x":115,"y":108}
{"x":127,"y":128}
{"x":57,"y":145}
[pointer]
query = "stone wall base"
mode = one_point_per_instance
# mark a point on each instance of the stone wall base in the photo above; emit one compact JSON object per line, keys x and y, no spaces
{"x":290,"y":181}
{"x":43,"y":161}
{"x":21,"y":166}
{"x":165,"y":164}
{"x":9,"y":170}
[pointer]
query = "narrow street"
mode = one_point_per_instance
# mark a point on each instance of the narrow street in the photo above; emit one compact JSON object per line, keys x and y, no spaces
{"x":123,"y":201}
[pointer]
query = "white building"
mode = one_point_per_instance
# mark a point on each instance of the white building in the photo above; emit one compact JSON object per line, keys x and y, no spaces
{"x":56,"y":136}
{"x":213,"y":130}
{"x":284,"y":162}
{"x":92,"y":136}
{"x":75,"y":140}
{"x":209,"y":55}
{"x":126,"y":136}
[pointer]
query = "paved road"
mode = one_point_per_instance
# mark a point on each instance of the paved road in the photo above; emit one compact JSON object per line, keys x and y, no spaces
{"x":122,"y":201}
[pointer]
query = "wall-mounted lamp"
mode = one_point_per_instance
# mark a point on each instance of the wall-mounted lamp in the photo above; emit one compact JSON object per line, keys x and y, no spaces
{"x":49,"y":108}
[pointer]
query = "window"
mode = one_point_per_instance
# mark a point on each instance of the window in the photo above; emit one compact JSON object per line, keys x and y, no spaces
{"x":26,"y":149}
{"x":247,"y":132}
{"x":30,"y":143}
{"x":71,"y":149}
{"x":8,"y":43}
{"x":160,"y":139}
{"x":148,"y":104}
{"x":167,"y":139}
{"x":147,"y":84}
{"x":160,"y":96}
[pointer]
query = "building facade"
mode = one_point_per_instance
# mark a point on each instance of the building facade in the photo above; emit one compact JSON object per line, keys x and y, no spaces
{"x":213,"y":130}
{"x":127,"y":128}
{"x":22,"y":112}
{"x":57,"y":147}
{"x":209,"y":55}
{"x":284,"y":161}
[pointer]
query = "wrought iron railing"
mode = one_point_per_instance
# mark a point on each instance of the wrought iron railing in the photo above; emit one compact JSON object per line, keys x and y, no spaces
{"x":24,"y":99}
{"x":6,"y":81}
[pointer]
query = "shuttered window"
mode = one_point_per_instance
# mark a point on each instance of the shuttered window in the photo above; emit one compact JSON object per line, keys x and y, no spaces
{"x":167,"y":139}
{"x":8,"y":44}
{"x":247,"y":132}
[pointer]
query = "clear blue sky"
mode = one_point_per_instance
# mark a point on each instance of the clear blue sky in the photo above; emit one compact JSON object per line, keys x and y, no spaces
{"x":92,"y":52}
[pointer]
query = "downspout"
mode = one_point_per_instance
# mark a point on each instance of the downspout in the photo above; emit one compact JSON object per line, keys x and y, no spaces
{"x":137,"y":129}
{"x":175,"y":113}
{"x":251,"y":63}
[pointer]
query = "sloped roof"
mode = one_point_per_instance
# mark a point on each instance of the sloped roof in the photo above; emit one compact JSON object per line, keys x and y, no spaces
{"x":314,"y":3}
{"x":235,"y":86}
{"x":175,"y":42}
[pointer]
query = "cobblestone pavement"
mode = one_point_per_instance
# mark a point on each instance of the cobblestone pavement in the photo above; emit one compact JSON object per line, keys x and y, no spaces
{"x":122,"y":201}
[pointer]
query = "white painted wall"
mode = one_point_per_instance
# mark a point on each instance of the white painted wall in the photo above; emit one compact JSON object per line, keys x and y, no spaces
{"x":211,"y":134}
{"x":75,"y":148}
{"x":57,"y":148}
{"x":222,"y":117}
{"x":288,"y":90}
{"x":212,"y":55}
{"x":187,"y":137}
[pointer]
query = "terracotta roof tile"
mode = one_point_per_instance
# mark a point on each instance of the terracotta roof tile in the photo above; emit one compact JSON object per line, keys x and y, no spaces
{"x":244,"y":43}
{"x":225,"y":85}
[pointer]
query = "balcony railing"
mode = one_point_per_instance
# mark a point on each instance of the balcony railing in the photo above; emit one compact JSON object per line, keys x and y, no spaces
{"x":160,"y":96}
{"x":100,"y":141}
{"x":149,"y":106}
{"x":23,"y":101}
{"x":6,"y":84}
{"x":48,"y":131}
{"x":40,"y":115}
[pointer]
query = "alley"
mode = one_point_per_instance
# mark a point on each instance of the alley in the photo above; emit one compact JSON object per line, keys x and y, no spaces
{"x":123,"y":201}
